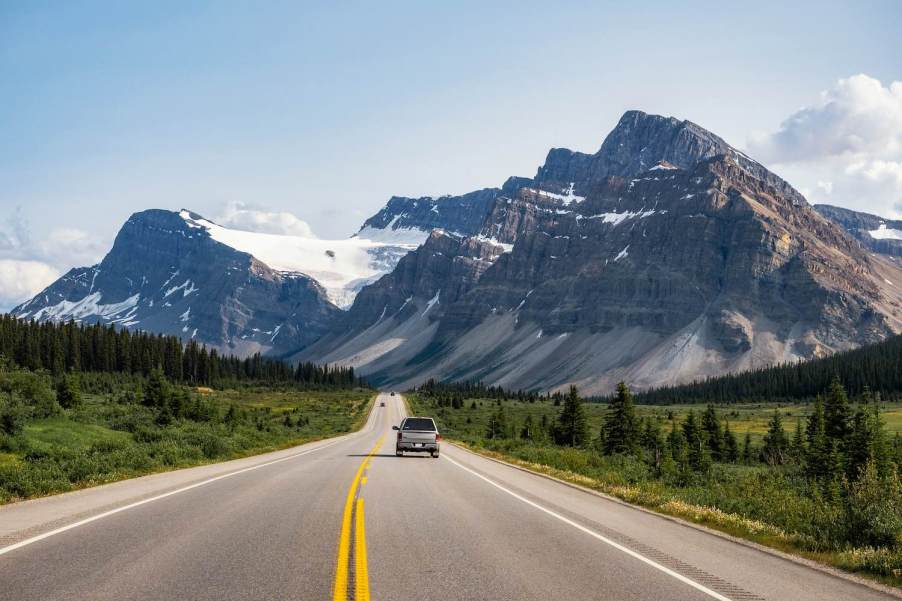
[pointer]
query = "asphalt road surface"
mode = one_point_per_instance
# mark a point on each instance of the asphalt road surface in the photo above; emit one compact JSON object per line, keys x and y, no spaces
{"x":346,"y":519}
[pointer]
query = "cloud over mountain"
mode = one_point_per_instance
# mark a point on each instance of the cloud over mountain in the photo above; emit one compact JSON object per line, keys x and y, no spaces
{"x":846,"y":148}
{"x":28,"y":265}
{"x":241,"y":216}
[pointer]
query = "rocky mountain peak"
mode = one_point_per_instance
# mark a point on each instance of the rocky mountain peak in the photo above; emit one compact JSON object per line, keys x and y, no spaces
{"x":642,"y":142}
{"x":166,"y":273}
{"x":666,"y":255}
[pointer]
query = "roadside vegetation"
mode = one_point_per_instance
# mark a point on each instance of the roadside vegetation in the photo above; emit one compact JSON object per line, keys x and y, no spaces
{"x":64,"y":427}
{"x":820,"y":479}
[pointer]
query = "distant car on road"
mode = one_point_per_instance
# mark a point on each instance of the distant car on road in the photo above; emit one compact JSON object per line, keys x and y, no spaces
{"x":417,"y":435}
{"x":393,"y":393}
{"x":382,"y":404}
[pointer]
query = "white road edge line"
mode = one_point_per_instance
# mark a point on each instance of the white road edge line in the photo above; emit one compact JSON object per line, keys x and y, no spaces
{"x":594,"y":534}
{"x":99,"y":516}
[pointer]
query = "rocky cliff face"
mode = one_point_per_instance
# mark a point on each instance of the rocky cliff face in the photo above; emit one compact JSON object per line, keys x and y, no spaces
{"x":457,"y":214}
{"x":166,"y":275}
{"x":665,"y":256}
{"x":880,"y":235}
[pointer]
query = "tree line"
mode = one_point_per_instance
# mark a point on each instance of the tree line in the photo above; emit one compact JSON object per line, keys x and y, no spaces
{"x":876,"y":366}
{"x":452,"y":394}
{"x":68,"y":347}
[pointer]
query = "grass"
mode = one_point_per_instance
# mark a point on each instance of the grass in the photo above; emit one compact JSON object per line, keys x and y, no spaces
{"x":770,"y":506}
{"x":106,"y":440}
{"x":64,"y":433}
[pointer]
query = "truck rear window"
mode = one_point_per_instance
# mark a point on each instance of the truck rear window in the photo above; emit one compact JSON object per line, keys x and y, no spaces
{"x":418,"y":423}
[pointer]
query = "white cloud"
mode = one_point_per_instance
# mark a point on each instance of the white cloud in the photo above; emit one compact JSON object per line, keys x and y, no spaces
{"x":28,"y":266}
{"x":859,"y":116}
{"x":243,"y":217}
{"x":20,"y":280}
{"x":69,"y":247}
{"x":847,"y":147}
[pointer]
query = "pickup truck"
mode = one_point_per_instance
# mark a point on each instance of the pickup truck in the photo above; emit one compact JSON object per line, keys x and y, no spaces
{"x":417,"y":435}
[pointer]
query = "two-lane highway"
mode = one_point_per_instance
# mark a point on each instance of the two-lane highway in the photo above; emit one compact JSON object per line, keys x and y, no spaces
{"x":347,"y":519}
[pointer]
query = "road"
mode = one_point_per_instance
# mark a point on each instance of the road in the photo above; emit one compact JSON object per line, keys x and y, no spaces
{"x":346,"y":519}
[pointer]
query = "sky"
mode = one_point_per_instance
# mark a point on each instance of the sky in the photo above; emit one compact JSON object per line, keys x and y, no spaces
{"x":305,"y":117}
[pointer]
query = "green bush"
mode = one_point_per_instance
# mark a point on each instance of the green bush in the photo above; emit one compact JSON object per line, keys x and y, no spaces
{"x":873,"y":509}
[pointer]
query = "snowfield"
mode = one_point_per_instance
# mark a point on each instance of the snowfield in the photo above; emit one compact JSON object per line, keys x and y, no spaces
{"x":884,"y":233}
{"x":89,"y":306}
{"x":342,"y":267}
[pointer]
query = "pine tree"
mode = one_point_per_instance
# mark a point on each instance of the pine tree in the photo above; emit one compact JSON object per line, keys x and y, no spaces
{"x":678,"y":452}
{"x":529,"y":429}
{"x":572,"y":427}
{"x":867,"y":440}
{"x":837,"y":414}
{"x":698,"y":455}
{"x":731,"y":445}
{"x":67,"y":393}
{"x":775,"y":442}
{"x":621,"y":428}
{"x":748,"y":453}
{"x":497,"y":426}
{"x":713,"y":433}
{"x":797,"y":446}
{"x":156,"y":393}
{"x":653,"y":443}
{"x":816,"y":438}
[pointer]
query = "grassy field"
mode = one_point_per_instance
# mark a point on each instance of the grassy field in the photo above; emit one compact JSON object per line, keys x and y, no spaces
{"x":770,"y":505}
{"x":468,"y":423}
{"x":105,"y":439}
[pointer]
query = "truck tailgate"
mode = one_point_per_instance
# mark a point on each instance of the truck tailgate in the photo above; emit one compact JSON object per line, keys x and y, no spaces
{"x":414,"y":436}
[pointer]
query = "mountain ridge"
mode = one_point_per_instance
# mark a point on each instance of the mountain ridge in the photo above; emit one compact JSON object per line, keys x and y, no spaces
{"x":676,"y":308}
{"x":664,"y":256}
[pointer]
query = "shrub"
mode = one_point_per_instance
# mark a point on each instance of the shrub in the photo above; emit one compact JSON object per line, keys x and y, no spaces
{"x":873,"y":511}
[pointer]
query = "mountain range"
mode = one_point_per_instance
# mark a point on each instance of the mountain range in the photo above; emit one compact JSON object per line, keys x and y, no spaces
{"x":665,"y":256}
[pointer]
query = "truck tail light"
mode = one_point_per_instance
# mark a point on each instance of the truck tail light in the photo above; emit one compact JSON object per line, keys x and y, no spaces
{"x":399,"y":435}
{"x":438,"y":437}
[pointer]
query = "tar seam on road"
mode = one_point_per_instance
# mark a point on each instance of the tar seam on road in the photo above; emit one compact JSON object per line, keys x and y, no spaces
{"x":99,"y":516}
{"x":342,"y":562}
{"x":596,"y":535}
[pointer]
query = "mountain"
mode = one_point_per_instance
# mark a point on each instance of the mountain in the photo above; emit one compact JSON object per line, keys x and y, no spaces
{"x":665,"y":256}
{"x":874,"y":232}
{"x":404,"y":218}
{"x":245,"y":292}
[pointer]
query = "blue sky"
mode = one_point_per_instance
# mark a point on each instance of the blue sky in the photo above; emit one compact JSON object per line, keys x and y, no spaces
{"x":324,"y":110}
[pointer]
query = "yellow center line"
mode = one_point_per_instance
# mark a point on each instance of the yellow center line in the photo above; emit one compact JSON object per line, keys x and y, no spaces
{"x":340,"y":589}
{"x":361,"y":572}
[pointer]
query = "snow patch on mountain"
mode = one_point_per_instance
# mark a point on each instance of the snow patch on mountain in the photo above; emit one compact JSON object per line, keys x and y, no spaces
{"x":495,"y":242}
{"x":885,"y":233}
{"x":342,"y":267}
{"x":567,"y":197}
{"x":402,"y":236}
{"x":616,"y":219}
{"x":90,"y":306}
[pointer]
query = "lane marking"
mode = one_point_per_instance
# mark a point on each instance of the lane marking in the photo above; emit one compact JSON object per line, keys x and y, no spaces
{"x":592,"y":533}
{"x":99,"y":516}
{"x":340,"y":587}
{"x":361,"y":572}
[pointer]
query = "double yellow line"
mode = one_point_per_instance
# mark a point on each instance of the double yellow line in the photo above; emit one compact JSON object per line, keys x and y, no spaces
{"x":361,"y":571}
